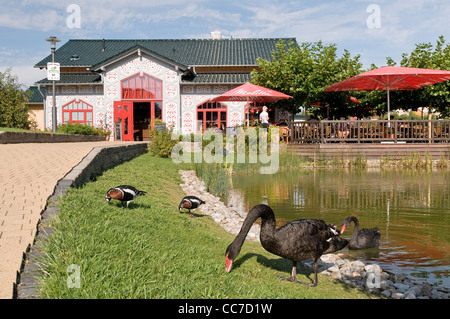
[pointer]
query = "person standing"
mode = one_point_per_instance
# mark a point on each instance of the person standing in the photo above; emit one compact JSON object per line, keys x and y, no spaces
{"x":264,"y":118}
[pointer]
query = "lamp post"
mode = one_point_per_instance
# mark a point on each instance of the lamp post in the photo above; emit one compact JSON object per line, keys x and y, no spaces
{"x":53,"y":41}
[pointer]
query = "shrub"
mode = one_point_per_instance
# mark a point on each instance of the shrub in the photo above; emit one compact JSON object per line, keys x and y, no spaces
{"x":78,"y":128}
{"x":161,"y":142}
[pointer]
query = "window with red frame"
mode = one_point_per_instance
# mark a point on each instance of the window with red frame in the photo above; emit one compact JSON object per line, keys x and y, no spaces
{"x":211,"y":114}
{"x":77,"y":112}
{"x":143,"y":87}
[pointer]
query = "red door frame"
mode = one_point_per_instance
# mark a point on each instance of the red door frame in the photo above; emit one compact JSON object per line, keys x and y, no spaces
{"x":123,"y":113}
{"x":152,"y":111}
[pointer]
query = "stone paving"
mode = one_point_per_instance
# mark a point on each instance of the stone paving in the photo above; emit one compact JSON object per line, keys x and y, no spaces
{"x":28,"y":175}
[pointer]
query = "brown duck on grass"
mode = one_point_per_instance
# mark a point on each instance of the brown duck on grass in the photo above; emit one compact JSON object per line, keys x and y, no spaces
{"x":190,"y":202}
{"x":123,"y":193}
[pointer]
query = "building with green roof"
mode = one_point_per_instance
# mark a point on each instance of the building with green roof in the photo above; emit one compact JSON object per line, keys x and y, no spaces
{"x":125,"y":85}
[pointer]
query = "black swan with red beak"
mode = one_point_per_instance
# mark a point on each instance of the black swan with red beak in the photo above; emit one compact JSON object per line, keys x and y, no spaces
{"x":364,"y":238}
{"x":297,"y":240}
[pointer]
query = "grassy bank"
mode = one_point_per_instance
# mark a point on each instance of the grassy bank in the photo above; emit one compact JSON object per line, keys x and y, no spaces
{"x":152,"y":251}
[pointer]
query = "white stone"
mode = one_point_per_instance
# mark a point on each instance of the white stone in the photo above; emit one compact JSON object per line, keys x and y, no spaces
{"x":358,"y":263}
{"x":397,"y":295}
{"x":373,"y":268}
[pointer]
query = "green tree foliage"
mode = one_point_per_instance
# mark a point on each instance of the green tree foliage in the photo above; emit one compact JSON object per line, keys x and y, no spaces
{"x":304,"y":71}
{"x":13,"y":102}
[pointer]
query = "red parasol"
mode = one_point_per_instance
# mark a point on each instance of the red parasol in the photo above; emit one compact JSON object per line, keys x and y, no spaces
{"x":391,"y":78}
{"x":251,"y":93}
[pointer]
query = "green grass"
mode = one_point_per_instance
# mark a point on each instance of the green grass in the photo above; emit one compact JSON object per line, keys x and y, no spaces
{"x":152,"y":251}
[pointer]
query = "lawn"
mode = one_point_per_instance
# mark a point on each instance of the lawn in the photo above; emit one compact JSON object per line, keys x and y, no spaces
{"x":152,"y":251}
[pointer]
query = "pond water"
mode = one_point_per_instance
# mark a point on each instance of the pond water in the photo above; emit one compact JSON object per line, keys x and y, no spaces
{"x":411,"y":209}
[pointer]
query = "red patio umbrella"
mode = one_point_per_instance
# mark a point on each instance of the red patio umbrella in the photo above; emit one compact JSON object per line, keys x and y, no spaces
{"x":391,"y":78}
{"x":251,"y":93}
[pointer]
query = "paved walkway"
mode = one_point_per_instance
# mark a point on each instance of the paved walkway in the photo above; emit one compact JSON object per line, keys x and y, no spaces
{"x":28,"y":174}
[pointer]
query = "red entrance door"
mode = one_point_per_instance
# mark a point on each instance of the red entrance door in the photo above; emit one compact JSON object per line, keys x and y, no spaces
{"x":123,"y":113}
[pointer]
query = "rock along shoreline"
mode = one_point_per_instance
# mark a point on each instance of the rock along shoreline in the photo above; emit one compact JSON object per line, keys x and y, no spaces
{"x":354,"y":273}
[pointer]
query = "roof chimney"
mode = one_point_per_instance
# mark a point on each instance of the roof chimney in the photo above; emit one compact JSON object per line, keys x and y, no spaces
{"x":103,"y":45}
{"x":216,"y":35}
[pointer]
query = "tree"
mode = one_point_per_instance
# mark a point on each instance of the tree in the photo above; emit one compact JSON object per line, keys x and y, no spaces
{"x":13,"y":102}
{"x":304,"y":71}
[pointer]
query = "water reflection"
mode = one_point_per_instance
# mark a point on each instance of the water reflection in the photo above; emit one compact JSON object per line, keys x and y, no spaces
{"x":409,"y":207}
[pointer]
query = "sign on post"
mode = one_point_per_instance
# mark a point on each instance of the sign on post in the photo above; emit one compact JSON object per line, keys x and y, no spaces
{"x":53,"y":71}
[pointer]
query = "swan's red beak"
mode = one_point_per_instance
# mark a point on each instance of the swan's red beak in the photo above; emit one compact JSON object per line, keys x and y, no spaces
{"x":229,"y":264}
{"x":342,"y":229}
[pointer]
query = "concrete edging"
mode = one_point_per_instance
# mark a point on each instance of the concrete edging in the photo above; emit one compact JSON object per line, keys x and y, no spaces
{"x":98,"y":160}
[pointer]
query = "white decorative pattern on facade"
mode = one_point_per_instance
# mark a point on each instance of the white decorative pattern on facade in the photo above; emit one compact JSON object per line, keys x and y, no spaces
{"x":188,"y":101}
{"x":85,"y":90}
{"x":205,"y":89}
{"x":171,"y":91}
{"x":151,"y":67}
{"x":171,"y":114}
{"x":130,"y":67}
{"x":219,"y":89}
{"x":112,"y":92}
{"x":201,"y":99}
{"x":188,"y":89}
{"x":171,"y":76}
{"x":188,"y":123}
{"x":100,"y":101}
{"x":111,"y":76}
{"x":235,"y":118}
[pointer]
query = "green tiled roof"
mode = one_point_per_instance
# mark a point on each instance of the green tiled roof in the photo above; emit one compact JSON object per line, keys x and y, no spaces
{"x":75,"y":78}
{"x":230,"y":78}
{"x":185,"y":52}
{"x":36,"y":97}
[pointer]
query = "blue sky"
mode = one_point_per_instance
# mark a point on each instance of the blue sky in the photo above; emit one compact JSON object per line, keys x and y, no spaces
{"x":394,"y":27}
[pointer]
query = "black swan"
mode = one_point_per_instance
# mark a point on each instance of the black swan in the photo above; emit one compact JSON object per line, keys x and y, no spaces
{"x":190,"y":202}
{"x":124,"y":193}
{"x":361,"y":239}
{"x":296,"y":240}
